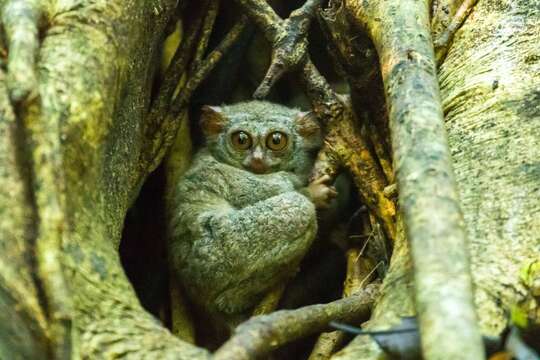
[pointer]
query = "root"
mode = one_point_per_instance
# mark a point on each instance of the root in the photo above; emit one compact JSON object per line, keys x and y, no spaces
{"x":265,"y":333}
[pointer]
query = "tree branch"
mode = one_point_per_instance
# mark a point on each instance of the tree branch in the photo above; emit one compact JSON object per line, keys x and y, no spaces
{"x":199,"y":74}
{"x":23,"y":323}
{"x":443,"y":41}
{"x":427,"y":189}
{"x":173,"y":74}
{"x":170,"y":123}
{"x":206,"y":31}
{"x":164,"y":115}
{"x":346,"y":147}
{"x":359,"y":272}
{"x":21,"y":20}
{"x":289,"y":50}
{"x":265,"y":333}
{"x":263,"y":16}
{"x":289,"y":46}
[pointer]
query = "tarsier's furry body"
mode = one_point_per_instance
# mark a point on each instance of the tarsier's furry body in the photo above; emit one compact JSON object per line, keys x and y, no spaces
{"x":243,"y":217}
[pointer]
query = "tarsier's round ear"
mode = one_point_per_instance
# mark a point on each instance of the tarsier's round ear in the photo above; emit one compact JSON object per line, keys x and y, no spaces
{"x":307,"y":125}
{"x":212,"y":120}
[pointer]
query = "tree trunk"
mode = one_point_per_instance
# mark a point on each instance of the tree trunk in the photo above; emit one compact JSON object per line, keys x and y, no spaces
{"x":80,"y":142}
{"x":489,"y":89}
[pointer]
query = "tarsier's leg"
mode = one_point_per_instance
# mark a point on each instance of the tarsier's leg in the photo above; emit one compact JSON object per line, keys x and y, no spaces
{"x":245,"y":252}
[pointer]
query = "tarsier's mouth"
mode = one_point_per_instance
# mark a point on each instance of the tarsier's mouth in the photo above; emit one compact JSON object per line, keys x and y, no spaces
{"x":258,"y":167}
{"x":257,"y":170}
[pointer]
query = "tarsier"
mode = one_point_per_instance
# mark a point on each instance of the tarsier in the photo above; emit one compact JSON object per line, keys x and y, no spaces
{"x":244,"y":213}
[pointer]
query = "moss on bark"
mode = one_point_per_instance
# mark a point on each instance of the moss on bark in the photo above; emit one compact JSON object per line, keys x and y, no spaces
{"x":489,"y":93}
{"x":85,"y":133}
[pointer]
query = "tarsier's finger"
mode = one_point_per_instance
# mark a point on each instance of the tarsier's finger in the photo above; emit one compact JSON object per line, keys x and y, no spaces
{"x":323,"y":179}
{"x":332,"y":191}
{"x":21,"y":19}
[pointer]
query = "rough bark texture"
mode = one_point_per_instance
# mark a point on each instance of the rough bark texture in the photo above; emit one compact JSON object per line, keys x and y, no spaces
{"x":490,"y":95}
{"x":22,"y":320}
{"x":489,"y":86}
{"x":427,"y":191}
{"x":84,"y":136}
{"x":261,"y":334}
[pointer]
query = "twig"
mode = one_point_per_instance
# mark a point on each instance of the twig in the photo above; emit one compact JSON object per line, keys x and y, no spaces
{"x":270,"y":302}
{"x":207,"y":66}
{"x":263,"y":334}
{"x":159,"y":122}
{"x":164,"y":115}
{"x":326,"y":345}
{"x":359,"y":271}
{"x":169,"y":126}
{"x":288,"y":38}
{"x":263,"y":16}
{"x":206,"y":31}
{"x":171,"y":78}
{"x":289,"y":48}
{"x":443,"y":42}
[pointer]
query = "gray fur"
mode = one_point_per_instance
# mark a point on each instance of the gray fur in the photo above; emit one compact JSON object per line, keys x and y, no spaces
{"x":259,"y":118}
{"x":236,"y":234}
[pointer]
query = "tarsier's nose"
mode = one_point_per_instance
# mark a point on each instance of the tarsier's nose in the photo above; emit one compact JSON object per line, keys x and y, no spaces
{"x":257,"y":164}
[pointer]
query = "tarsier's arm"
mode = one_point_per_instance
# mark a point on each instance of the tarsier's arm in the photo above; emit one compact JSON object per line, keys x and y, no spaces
{"x":238,"y":254}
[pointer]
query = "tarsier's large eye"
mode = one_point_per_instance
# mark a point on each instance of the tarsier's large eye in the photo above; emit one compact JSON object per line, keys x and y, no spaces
{"x":276,"y":141}
{"x":241,"y":140}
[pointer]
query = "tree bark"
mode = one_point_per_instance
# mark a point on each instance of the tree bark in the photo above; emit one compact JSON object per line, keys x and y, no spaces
{"x":489,"y":84}
{"x":84,"y":138}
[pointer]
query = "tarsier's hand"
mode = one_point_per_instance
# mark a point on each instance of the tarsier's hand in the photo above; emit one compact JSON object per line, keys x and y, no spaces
{"x":320,"y":193}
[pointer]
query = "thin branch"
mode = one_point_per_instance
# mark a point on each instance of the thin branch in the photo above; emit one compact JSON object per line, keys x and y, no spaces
{"x":443,"y":42}
{"x":265,"y":333}
{"x":270,"y":302}
{"x":289,"y":47}
{"x":288,"y":38}
{"x":263,"y":16}
{"x":206,"y":31}
{"x":207,"y":66}
{"x":163,"y":122}
{"x":309,"y":8}
{"x":173,"y":74}
{"x":169,"y":127}
{"x":359,"y":269}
